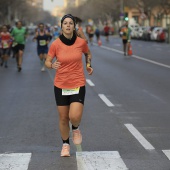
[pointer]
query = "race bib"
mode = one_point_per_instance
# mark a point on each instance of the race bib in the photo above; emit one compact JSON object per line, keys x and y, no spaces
{"x":42,"y":42}
{"x":5,"y":44}
{"x":66,"y":92}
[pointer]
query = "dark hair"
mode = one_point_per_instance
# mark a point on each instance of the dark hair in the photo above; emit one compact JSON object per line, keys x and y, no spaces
{"x":18,"y":22}
{"x":68,"y":16}
{"x":41,"y":24}
{"x":5,"y":26}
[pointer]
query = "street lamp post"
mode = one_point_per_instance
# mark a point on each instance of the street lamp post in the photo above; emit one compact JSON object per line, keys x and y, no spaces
{"x":121,"y":11}
{"x":168,"y":38}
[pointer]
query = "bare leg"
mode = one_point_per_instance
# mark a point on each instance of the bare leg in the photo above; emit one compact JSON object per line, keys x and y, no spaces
{"x":75,"y":113}
{"x":64,"y":121}
{"x":20,"y":58}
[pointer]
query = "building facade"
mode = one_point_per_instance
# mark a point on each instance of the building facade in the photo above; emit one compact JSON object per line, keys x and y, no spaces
{"x":36,"y":3}
{"x":73,"y":3}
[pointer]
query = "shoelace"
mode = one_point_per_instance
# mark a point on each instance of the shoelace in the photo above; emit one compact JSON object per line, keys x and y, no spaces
{"x":65,"y":146}
{"x":76,"y":134}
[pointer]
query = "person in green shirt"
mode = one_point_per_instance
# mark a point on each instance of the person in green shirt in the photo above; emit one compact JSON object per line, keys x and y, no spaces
{"x":125,"y":34}
{"x":19,"y":33}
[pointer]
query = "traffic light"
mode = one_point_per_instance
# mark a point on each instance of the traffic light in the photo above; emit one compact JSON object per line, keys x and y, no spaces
{"x":126,"y":18}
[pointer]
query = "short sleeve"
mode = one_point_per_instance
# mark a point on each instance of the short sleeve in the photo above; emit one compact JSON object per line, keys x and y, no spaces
{"x":52,"y":50}
{"x":85,"y":47}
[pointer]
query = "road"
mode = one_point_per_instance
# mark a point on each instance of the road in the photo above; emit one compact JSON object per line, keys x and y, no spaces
{"x":126,"y":117}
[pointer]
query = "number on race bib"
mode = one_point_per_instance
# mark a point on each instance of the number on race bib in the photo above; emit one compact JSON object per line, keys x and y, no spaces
{"x":42,"y":42}
{"x":66,"y":92}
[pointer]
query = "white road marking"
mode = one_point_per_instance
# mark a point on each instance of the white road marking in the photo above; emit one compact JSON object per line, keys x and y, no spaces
{"x":151,"y":61}
{"x":106,"y":100}
{"x":90,"y":82}
{"x":167,"y":153}
{"x":139,"y":137}
{"x":79,"y":148}
{"x":118,"y":45}
{"x":101,"y":160}
{"x":135,"y":56}
{"x":15,"y":161}
{"x":153,"y":95}
{"x":107,"y":48}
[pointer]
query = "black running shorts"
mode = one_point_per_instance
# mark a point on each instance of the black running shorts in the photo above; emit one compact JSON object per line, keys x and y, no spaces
{"x":67,"y":100}
{"x":124,"y":41}
{"x":19,"y":47}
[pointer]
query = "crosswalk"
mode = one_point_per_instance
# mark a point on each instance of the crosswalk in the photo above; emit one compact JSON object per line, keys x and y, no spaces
{"x":110,"y":160}
{"x":15,"y":161}
{"x":105,"y":160}
{"x":97,"y":160}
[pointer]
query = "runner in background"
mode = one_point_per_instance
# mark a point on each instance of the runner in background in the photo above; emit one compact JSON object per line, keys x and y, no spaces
{"x":56,"y":32}
{"x":13,"y":44}
{"x":91,"y":33}
{"x":125,"y":34}
{"x":6,"y":41}
{"x":19,"y":34}
{"x":106,"y":32}
{"x":97,"y":33}
{"x":79,"y":29}
{"x":42,"y":37}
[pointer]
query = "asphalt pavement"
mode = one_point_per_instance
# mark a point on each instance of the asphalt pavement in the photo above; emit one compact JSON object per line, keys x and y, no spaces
{"x":125,"y":123}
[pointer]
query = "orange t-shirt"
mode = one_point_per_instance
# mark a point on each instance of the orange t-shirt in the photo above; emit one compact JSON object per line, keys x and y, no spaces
{"x":71,"y":72}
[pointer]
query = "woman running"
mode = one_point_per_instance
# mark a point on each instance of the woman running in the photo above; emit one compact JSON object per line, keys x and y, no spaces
{"x":69,"y":82}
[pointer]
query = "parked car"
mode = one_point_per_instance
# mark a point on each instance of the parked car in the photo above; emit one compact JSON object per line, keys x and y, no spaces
{"x":162,"y":35}
{"x":147,"y":32}
{"x":154,"y":33}
{"x":134,"y":32}
{"x":140,"y":32}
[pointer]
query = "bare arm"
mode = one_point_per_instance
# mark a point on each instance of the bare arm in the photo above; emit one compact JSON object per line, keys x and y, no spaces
{"x":35,"y":37}
{"x":88,"y":62}
{"x":50,"y":64}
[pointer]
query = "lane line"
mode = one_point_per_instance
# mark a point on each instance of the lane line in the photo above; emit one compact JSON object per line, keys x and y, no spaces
{"x":167,"y":153}
{"x":100,"y":160}
{"x":90,"y":82}
{"x":112,"y":49}
{"x":15,"y":161}
{"x":139,"y":137}
{"x":135,"y":56}
{"x":150,"y":61}
{"x":106,"y":100}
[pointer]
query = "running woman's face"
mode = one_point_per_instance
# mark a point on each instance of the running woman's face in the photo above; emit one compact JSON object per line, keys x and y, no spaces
{"x":41,"y":27}
{"x":4,"y":29}
{"x":19,"y":25}
{"x":68,"y":26}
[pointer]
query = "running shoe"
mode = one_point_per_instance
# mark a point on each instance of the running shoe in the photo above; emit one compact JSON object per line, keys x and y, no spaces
{"x":65,"y":152}
{"x":19,"y":69}
{"x":43,"y":69}
{"x":77,"y":137}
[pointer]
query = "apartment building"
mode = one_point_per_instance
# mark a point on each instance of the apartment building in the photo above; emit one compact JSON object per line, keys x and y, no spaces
{"x":73,"y":3}
{"x":153,"y":17}
{"x":36,"y":3}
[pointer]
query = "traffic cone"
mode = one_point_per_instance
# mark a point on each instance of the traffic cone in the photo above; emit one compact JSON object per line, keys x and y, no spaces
{"x":130,"y":50}
{"x":99,"y":42}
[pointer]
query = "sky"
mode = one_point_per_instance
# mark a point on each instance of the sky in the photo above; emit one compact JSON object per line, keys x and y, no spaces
{"x":50,"y":4}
